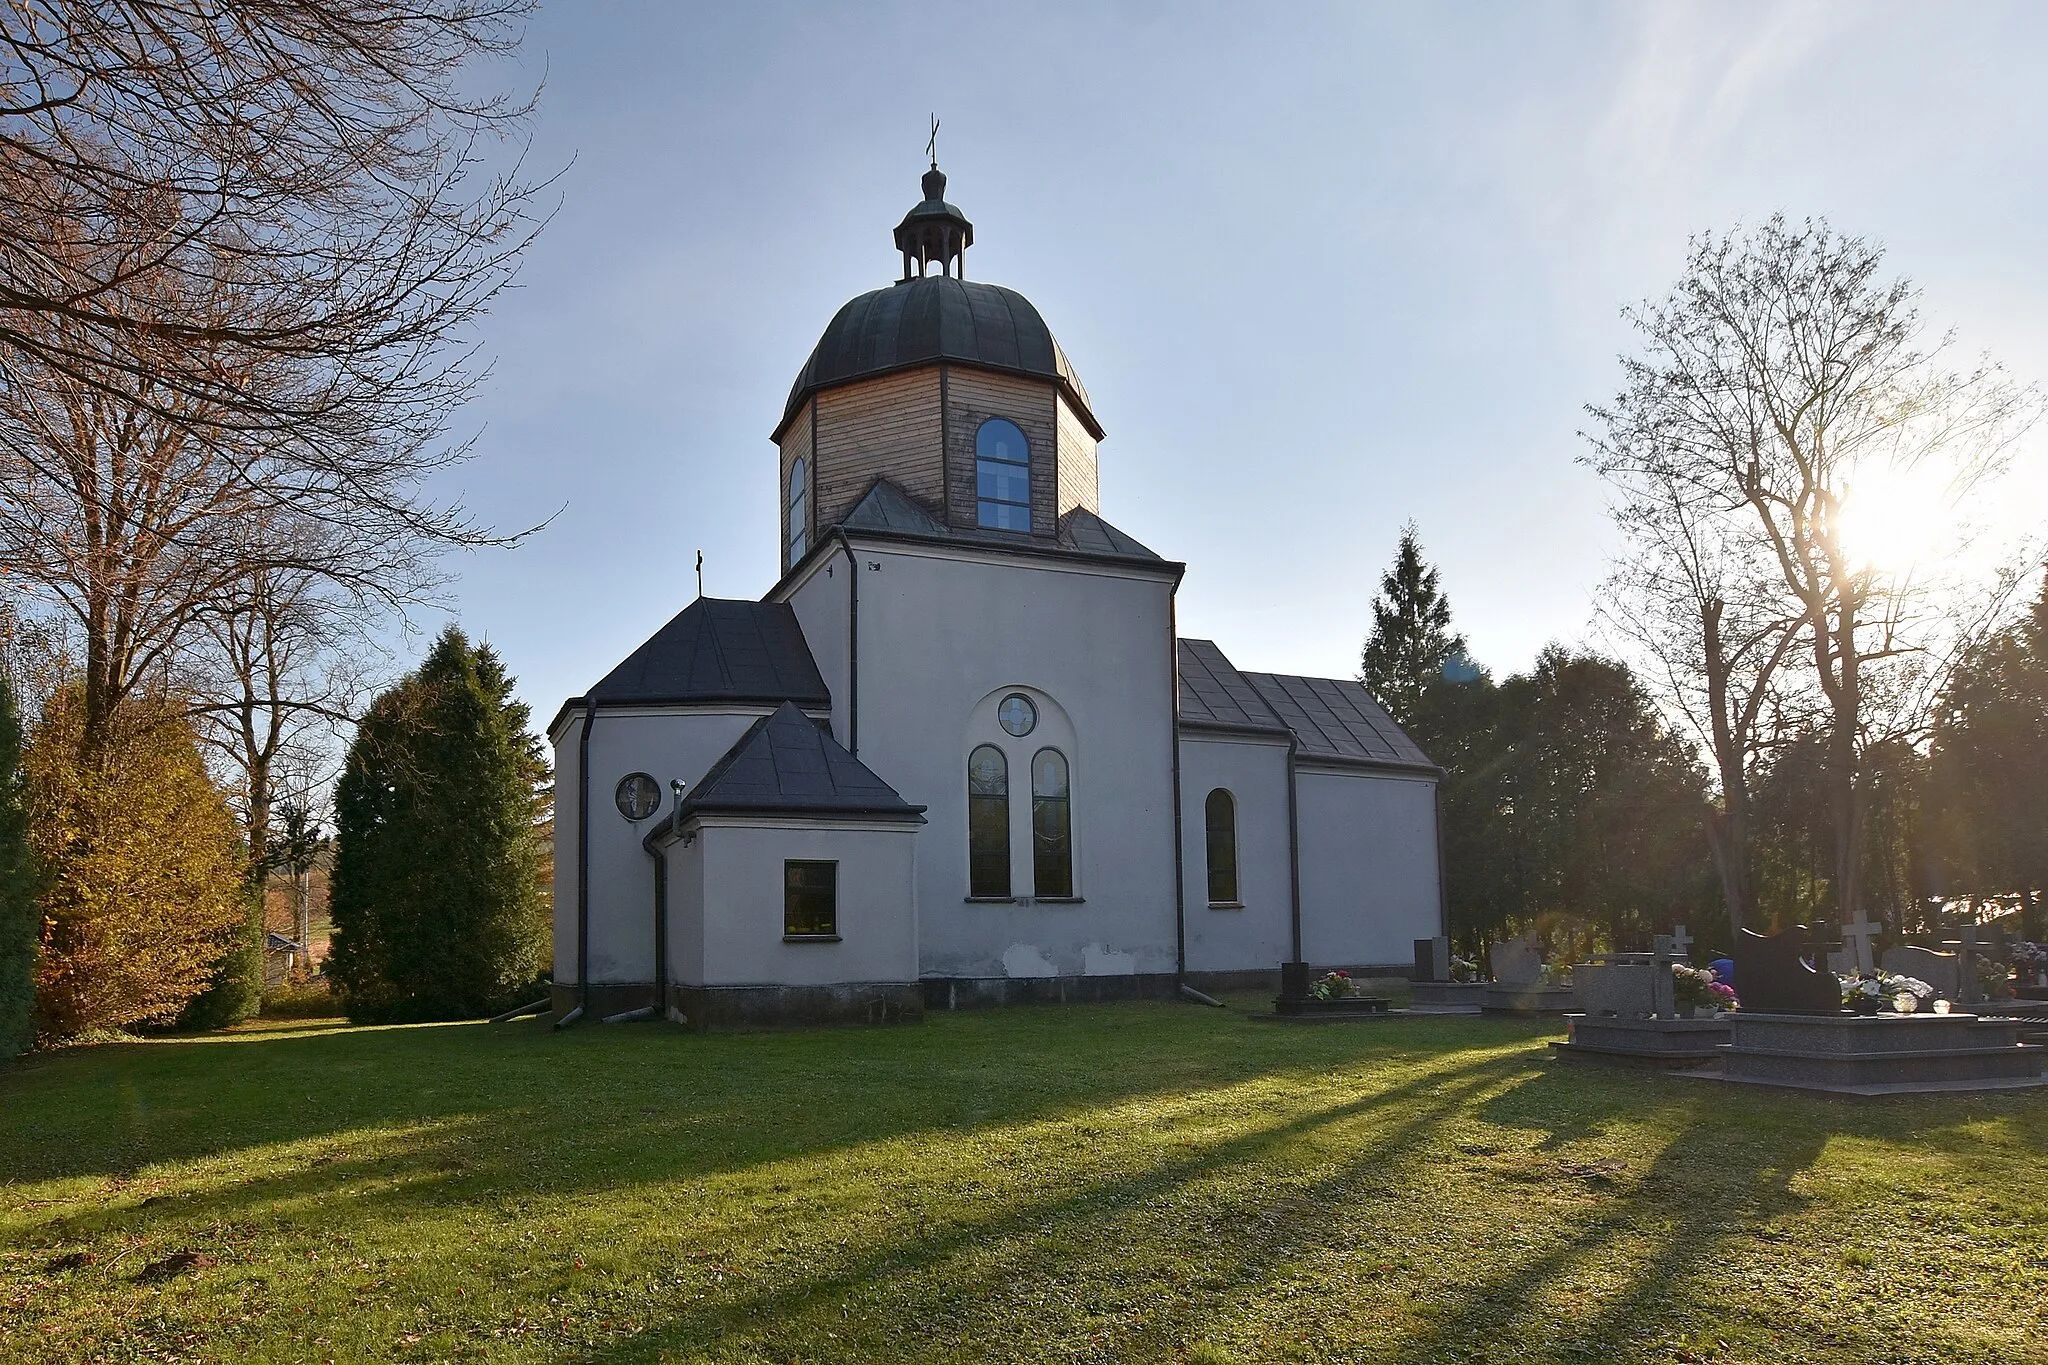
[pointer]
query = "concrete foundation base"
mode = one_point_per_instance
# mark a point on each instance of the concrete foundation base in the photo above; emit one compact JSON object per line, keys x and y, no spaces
{"x":1529,"y":1001}
{"x":1664,"y":1044}
{"x":982,"y":992}
{"x":723,"y":1008}
{"x":1447,"y":997}
{"x":1885,"y":1054}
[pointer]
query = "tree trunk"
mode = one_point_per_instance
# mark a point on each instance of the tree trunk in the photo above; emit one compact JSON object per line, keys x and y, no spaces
{"x":1846,"y":794}
{"x":1728,"y":828}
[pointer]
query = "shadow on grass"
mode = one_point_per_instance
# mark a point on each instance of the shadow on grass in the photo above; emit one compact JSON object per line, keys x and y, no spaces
{"x":1034,"y":1243}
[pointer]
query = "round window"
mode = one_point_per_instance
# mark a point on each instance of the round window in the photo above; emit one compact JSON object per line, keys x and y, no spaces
{"x":639,"y":796}
{"x":1017,"y":714}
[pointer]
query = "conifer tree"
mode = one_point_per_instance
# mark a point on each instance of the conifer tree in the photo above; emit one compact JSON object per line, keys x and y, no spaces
{"x":20,"y":917}
{"x":1411,"y":640}
{"x":439,"y":910}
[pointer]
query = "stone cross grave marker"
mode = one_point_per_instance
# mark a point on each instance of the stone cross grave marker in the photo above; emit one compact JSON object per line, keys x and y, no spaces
{"x":1669,"y":949}
{"x":1861,"y":936}
{"x":1517,"y":962}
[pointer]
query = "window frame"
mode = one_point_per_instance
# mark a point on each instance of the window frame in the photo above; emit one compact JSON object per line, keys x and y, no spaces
{"x":1061,"y":806}
{"x":1235,"y":900}
{"x":995,"y":807}
{"x":797,"y":506}
{"x":983,"y":502}
{"x":793,"y":934}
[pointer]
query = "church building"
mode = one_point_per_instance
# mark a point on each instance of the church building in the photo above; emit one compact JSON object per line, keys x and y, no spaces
{"x":957,"y":754}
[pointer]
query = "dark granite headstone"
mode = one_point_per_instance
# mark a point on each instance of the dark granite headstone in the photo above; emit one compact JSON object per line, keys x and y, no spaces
{"x":1295,"y":981}
{"x":1775,"y":973}
{"x":1432,"y":959}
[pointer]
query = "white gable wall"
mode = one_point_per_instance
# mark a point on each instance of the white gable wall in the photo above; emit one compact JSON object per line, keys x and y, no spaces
{"x":1368,"y":864}
{"x":943,"y":636}
{"x":1254,"y":770}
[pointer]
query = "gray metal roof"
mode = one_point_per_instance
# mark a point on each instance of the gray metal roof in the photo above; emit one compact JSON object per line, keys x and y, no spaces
{"x":923,"y":321}
{"x":1331,"y":718}
{"x":720,"y":650}
{"x":1213,"y":692}
{"x":887,"y":509}
{"x":1337,"y":718}
{"x":787,"y":763}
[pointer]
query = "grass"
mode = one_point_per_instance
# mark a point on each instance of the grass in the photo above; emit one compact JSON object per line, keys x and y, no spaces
{"x":1127,"y":1182}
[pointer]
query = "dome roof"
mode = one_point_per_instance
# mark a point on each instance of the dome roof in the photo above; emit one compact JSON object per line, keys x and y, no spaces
{"x":926,"y":320}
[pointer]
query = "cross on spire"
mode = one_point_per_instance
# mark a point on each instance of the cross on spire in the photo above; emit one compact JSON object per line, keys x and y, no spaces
{"x":931,"y":146}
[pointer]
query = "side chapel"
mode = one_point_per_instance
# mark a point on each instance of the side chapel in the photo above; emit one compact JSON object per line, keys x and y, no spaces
{"x":957,"y":754}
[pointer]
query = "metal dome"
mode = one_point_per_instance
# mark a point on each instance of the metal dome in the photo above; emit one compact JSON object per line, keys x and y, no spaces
{"x":936,"y":318}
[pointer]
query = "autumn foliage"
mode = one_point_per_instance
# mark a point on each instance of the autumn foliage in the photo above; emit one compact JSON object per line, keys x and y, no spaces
{"x":142,"y":863}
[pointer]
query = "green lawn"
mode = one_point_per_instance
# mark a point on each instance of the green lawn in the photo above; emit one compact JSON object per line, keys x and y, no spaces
{"x":1127,"y":1182}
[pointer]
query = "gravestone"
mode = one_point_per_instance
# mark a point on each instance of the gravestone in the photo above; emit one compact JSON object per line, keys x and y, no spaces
{"x":1432,"y":959}
{"x":1629,"y":985}
{"x":1630,"y":1017}
{"x":1943,"y":971}
{"x":1517,"y":962}
{"x":1775,"y":973}
{"x":1861,"y":937}
{"x":1518,"y":986}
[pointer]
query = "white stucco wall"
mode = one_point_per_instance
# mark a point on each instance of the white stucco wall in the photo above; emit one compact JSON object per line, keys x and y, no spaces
{"x":1368,"y":864}
{"x":1254,"y":771}
{"x":821,"y":606}
{"x":665,"y":744}
{"x":726,"y":903}
{"x":943,"y":637}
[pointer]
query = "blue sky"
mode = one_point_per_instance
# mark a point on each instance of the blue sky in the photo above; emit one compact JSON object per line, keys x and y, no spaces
{"x":1322,"y":268}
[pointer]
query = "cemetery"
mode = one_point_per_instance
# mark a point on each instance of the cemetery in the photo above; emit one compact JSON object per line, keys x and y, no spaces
{"x":1149,"y":1180}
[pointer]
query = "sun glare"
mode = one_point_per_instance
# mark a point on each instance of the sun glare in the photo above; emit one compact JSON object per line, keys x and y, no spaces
{"x":1894,"y":520}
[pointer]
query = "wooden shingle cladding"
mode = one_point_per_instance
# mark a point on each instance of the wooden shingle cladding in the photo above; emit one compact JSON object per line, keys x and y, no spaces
{"x":1078,"y":477}
{"x":917,"y":428}
{"x":796,"y":444}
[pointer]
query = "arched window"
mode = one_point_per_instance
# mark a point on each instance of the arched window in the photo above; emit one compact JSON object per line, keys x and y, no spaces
{"x":799,"y":507}
{"x":988,"y":822}
{"x":1220,"y":815}
{"x":1052,"y":826}
{"x":1002,"y":476}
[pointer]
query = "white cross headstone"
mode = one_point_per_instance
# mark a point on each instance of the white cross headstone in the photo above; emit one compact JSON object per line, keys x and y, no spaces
{"x":1860,"y":934}
{"x":1681,"y":944}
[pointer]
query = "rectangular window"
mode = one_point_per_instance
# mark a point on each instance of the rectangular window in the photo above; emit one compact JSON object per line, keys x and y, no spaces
{"x":810,"y":899}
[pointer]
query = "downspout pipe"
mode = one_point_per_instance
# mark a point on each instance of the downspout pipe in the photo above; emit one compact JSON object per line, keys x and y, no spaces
{"x":852,"y":644}
{"x":1293,"y":846}
{"x":583,"y":862}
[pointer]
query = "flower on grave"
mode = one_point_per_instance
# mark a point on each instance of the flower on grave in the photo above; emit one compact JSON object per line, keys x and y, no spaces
{"x":1463,"y":968}
{"x":1898,"y":994}
{"x":1722,"y":995}
{"x":1332,"y":986}
{"x":1690,"y":986}
{"x":2032,"y":957}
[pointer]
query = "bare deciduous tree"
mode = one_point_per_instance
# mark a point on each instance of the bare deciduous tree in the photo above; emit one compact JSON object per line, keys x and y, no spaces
{"x":1778,"y":378}
{"x":325,"y":158}
{"x":1696,"y":601}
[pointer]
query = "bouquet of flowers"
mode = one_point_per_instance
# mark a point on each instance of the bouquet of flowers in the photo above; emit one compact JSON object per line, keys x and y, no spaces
{"x":1332,"y":986}
{"x":1463,"y":968}
{"x":1885,"y":993}
{"x":1697,"y":987}
{"x":2030,"y":960}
